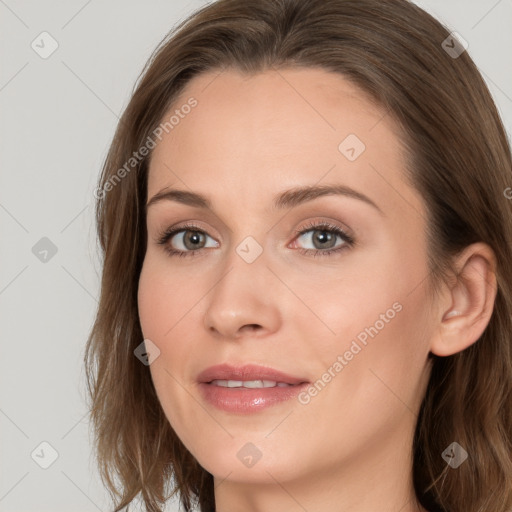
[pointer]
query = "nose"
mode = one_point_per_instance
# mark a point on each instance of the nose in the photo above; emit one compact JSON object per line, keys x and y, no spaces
{"x":241,"y":302}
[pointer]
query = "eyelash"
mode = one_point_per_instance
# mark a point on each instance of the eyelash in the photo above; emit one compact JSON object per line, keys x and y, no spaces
{"x":164,"y":237}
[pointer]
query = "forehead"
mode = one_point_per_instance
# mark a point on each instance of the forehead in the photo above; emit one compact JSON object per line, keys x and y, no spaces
{"x":276,"y":108}
{"x":260,"y":133}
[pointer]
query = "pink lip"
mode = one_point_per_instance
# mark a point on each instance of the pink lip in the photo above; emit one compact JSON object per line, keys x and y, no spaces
{"x":246,"y":372}
{"x":247,"y":400}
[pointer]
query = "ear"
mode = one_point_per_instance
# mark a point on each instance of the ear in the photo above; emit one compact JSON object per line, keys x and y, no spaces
{"x":467,"y":303}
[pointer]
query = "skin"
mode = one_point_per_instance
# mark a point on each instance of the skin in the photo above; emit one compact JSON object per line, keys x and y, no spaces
{"x":249,"y":138}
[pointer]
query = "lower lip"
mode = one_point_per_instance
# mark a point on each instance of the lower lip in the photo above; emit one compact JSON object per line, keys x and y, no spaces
{"x":248,"y":400}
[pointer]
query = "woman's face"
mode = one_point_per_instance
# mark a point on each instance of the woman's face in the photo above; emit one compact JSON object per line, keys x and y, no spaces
{"x":346,"y":311}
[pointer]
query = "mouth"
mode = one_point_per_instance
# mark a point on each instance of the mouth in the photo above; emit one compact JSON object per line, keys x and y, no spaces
{"x":247,"y":389}
{"x":248,"y":376}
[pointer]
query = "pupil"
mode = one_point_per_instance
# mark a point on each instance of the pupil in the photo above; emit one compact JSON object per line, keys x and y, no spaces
{"x":193,"y":238}
{"x":324,"y":236}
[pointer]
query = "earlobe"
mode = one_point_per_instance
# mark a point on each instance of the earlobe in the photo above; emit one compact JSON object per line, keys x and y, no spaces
{"x":468,"y":303}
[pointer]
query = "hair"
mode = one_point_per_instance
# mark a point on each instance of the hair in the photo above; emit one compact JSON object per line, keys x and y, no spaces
{"x":457,"y":157}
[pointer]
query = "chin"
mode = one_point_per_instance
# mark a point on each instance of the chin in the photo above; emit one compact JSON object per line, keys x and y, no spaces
{"x":244,"y":461}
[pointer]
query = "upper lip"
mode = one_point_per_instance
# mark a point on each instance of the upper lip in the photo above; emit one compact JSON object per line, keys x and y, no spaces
{"x":246,"y":372}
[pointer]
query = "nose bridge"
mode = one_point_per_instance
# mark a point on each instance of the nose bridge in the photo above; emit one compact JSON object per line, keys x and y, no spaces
{"x":239,"y":297}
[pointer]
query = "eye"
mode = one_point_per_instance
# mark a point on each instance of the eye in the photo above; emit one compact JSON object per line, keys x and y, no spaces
{"x":324,"y":237}
{"x":187,"y":240}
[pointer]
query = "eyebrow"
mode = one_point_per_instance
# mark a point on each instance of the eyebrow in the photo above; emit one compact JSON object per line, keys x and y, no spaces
{"x":287,"y":199}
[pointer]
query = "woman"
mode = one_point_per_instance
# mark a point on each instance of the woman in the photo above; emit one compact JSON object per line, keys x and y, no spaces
{"x":306,"y":294}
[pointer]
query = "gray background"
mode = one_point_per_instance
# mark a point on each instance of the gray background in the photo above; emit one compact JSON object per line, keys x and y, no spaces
{"x":58,"y":115}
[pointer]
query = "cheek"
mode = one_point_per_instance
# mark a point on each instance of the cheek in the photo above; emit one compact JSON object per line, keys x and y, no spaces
{"x":372,"y":302}
{"x":378,"y":358}
{"x":158,"y":307}
{"x":374,"y":335}
{"x":368,"y":379}
{"x":165,"y":306}
{"x":163,"y":299}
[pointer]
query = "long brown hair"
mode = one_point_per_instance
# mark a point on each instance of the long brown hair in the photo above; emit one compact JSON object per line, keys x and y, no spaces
{"x":459,"y":159}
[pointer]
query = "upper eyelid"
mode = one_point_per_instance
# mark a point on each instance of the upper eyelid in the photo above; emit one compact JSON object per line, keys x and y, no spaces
{"x":310,"y":226}
{"x":328,"y":224}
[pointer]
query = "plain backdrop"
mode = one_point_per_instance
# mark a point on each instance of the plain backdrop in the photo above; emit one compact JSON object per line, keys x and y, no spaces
{"x":58,"y":115}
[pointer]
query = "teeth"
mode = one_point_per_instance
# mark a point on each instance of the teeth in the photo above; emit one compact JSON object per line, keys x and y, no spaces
{"x":248,"y":383}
